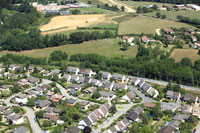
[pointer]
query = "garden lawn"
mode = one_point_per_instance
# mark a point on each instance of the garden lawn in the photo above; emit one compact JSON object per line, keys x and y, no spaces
{"x":146,"y":25}
{"x":106,"y":47}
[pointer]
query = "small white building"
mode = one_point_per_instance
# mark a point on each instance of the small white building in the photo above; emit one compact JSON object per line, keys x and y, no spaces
{"x":21,"y":98}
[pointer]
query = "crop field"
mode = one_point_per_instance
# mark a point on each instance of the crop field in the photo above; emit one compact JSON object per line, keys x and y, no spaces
{"x":146,"y":25}
{"x":173,"y":14}
{"x":179,"y":54}
{"x":106,"y":47}
{"x":136,"y":4}
{"x":94,"y":10}
{"x":71,"y":22}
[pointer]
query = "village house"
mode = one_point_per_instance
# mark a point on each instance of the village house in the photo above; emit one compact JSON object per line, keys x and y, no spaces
{"x":52,"y":110}
{"x":74,"y":87}
{"x":50,"y":94}
{"x":92,"y":117}
{"x":169,"y":38}
{"x":84,"y":105}
{"x":53,"y":118}
{"x":187,"y":97}
{"x":135,"y":81}
{"x":74,"y":78}
{"x":141,"y":82}
{"x":21,"y":98}
{"x":67,"y":77}
{"x":38,"y":90}
{"x":133,"y":116}
{"x":107,"y":95}
{"x":16,"y":119}
{"x":145,"y":39}
{"x":186,"y":109}
{"x":33,"y":80}
{"x":71,"y":102}
{"x":149,"y":105}
{"x":108,"y":85}
{"x":169,"y":31}
{"x":7,"y":113}
{"x":197,"y":45}
{"x":167,"y":129}
{"x":21,"y":129}
{"x":43,"y":104}
{"x":175,"y":96}
{"x":168,"y":106}
{"x":121,"y":126}
{"x":105,"y":75}
{"x":175,"y":124}
{"x":12,"y":67}
{"x":128,"y":97}
{"x":193,"y":38}
{"x":119,"y":86}
{"x":96,"y":82}
{"x":180,"y":117}
{"x":119,"y":77}
{"x":30,"y":94}
{"x":3,"y":108}
{"x":11,"y":75}
{"x":5,"y":88}
{"x":85,"y":122}
{"x":31,"y":69}
{"x":72,"y":130}
{"x":56,"y":72}
{"x":89,"y":90}
{"x":73,"y":70}
{"x":40,"y":69}
{"x":191,"y":31}
{"x":86,"y":72}
{"x":196,"y":111}
{"x":23,"y":82}
{"x":46,"y":73}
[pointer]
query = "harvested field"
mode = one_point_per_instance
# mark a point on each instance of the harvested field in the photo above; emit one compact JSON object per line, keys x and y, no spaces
{"x":71,"y":22}
{"x":179,"y":54}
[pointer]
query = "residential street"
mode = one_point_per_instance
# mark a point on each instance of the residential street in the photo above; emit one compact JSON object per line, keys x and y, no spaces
{"x":29,"y":111}
{"x":122,"y":109}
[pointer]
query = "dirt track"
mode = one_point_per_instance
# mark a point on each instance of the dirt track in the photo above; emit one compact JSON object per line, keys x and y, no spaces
{"x":71,"y":22}
{"x":119,"y":4}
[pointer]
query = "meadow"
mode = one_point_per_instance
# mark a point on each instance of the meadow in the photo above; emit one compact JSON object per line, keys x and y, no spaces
{"x":146,"y":25}
{"x":106,"y":47}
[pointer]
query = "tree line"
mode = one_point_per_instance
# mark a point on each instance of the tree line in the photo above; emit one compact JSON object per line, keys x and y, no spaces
{"x":188,"y":20}
{"x":171,"y":1}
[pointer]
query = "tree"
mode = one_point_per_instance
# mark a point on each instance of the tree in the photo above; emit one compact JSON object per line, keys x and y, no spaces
{"x":16,"y":109}
{"x":96,"y":95}
{"x":123,"y":8}
{"x":58,"y":55}
{"x":113,"y":109}
{"x":30,"y":103}
{"x":87,"y":129}
{"x":135,"y":128}
{"x":186,"y":62}
{"x":76,"y":117}
{"x":5,"y":93}
{"x":57,"y":129}
{"x":40,"y":114}
{"x":163,"y":16}
{"x":199,"y":52}
{"x":197,"y":65}
{"x":47,"y":123}
{"x":75,"y":12}
{"x":144,"y":118}
{"x":157,"y":113}
{"x":158,"y":14}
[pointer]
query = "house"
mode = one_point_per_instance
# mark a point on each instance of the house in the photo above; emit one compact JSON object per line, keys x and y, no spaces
{"x":52,"y":110}
{"x":11,"y":76}
{"x":187,"y":97}
{"x":167,"y":129}
{"x":175,"y":96}
{"x":175,"y":124}
{"x":125,"y":38}
{"x":16,"y":119}
{"x":153,"y":92}
{"x":180,"y":117}
{"x":137,"y":109}
{"x":43,"y":104}
{"x":128,"y":97}
{"x":126,"y":122}
{"x":7,"y":113}
{"x":67,"y":77}
{"x":108,"y":86}
{"x":31,"y":94}
{"x":73,"y":70}
{"x":90,"y":90}
{"x":21,"y":129}
{"x":87,"y":80}
{"x":168,"y":106}
{"x":149,"y":105}
{"x":186,"y":109}
{"x":46,"y":73}
{"x":33,"y":80}
{"x":50,"y":94}
{"x":193,"y":38}
{"x":141,"y":82}
{"x":105,"y":75}
{"x":74,"y":87}
{"x":5,"y":88}
{"x":56,"y":97}
{"x":21,"y":98}
{"x":23,"y":82}
{"x":107,"y":95}
{"x":133,"y":116}
{"x":119,"y":77}
{"x":74,"y":78}
{"x":73,"y":130}
{"x":12,"y":67}
{"x":38,"y":90}
{"x":135,"y":81}
{"x":40,"y":69}
{"x":112,"y":130}
{"x":145,"y":39}
{"x":53,"y":118}
{"x":84,"y":105}
{"x":119,"y":86}
{"x":169,"y":38}
{"x":169,"y":31}
{"x":71,"y":102}
{"x":197,"y":45}
{"x":92,"y":118}
{"x":85,"y":122}
{"x":86,"y":72}
{"x":31,"y":69}
{"x":96,"y":82}
{"x":81,"y":79}
{"x":56,"y":72}
{"x":3,"y":108}
{"x":103,"y":110}
{"x":97,"y":113}
{"x":121,"y":126}
{"x":191,"y":31}
{"x":196,"y":111}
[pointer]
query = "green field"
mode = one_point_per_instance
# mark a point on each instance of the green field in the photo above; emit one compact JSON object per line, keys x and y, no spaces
{"x":136,"y":4}
{"x":94,"y":2}
{"x":173,"y":14}
{"x":94,"y":10}
{"x":106,"y":47}
{"x":146,"y":25}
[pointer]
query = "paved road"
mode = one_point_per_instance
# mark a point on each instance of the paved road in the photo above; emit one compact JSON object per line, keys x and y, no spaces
{"x":29,"y":111}
{"x":165,"y":83}
{"x":120,"y":111}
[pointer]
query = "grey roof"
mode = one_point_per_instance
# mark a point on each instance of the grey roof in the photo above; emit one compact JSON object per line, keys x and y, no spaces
{"x":126,"y":121}
{"x":180,"y":117}
{"x":52,"y":110}
{"x":37,"y":89}
{"x":135,"y":79}
{"x":73,"y":130}
{"x":22,"y":96}
{"x":141,"y":82}
{"x":4,"y":86}
{"x":92,"y":117}
{"x":137,"y":109}
{"x":167,"y":106}
{"x":44,"y":103}
{"x":71,"y":101}
{"x":87,"y":121}
{"x":108,"y":85}
{"x":7,"y":112}
{"x":30,"y":92}
{"x":107,"y":105}
{"x":117,"y":76}
{"x":104,"y":74}
{"x":132,"y":116}
{"x":85,"y":71}
{"x":175,"y":124}
{"x":72,"y":69}
{"x":106,"y":94}
{"x":73,"y":86}
{"x":55,"y":71}
{"x":3,"y":108}
{"x":20,"y":129}
{"x":119,"y":86}
{"x":167,"y":129}
{"x":14,"y":117}
{"x":113,"y":129}
{"x":189,"y":96}
{"x":33,"y":80}
{"x":81,"y":79}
